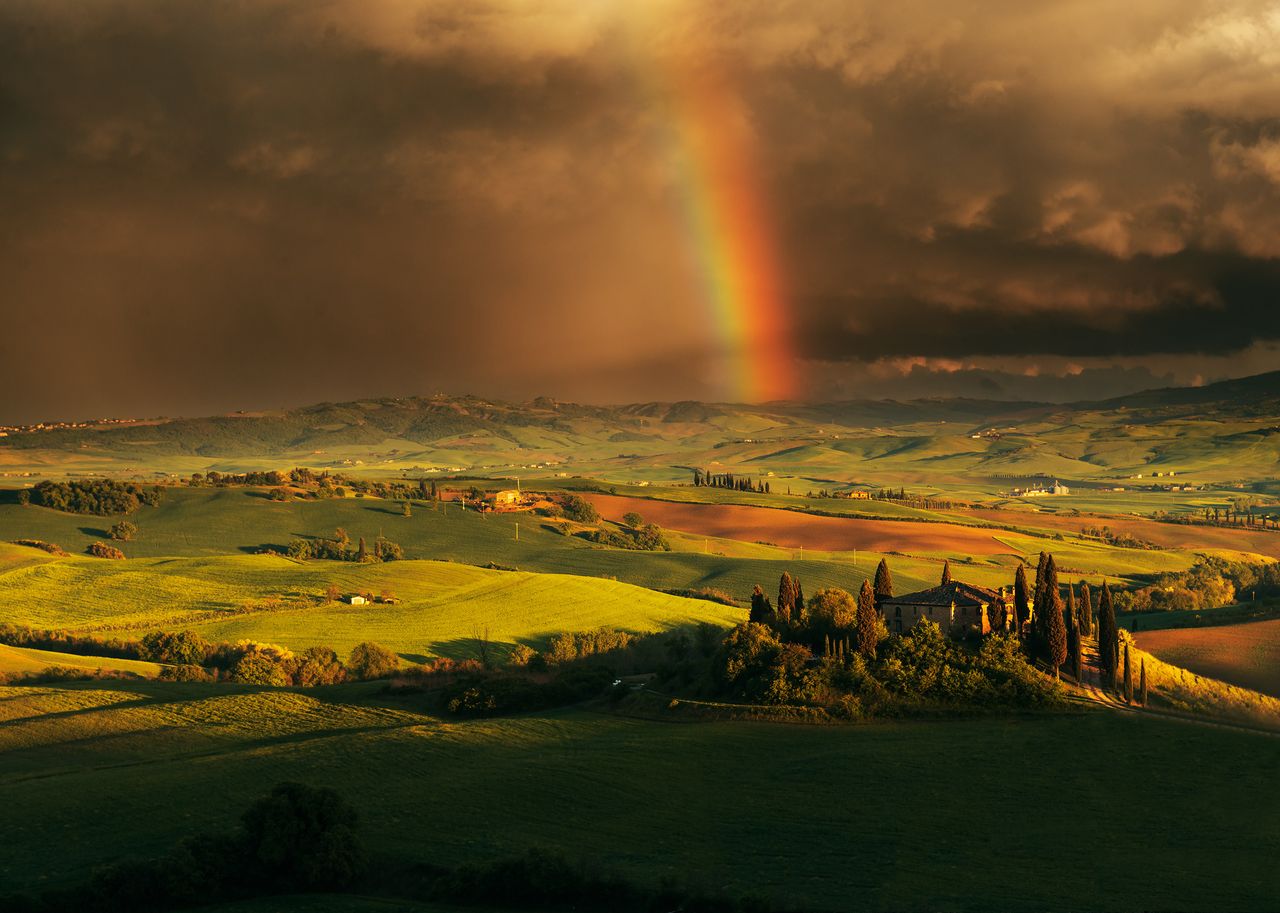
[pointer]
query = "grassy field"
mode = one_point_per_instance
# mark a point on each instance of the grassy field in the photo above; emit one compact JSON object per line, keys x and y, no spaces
{"x":24,"y":659}
{"x":442,"y":606}
{"x":902,"y":816}
{"x":1247,"y":655}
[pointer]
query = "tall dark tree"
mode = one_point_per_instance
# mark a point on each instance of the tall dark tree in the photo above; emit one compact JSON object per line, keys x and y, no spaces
{"x":884,"y":581}
{"x":1021,"y":599}
{"x":867,"y":620}
{"x":946,"y":572}
{"x":1076,"y":648}
{"x":1075,"y":652}
{"x":362,"y":553}
{"x":798,"y":612}
{"x":1086,"y":610}
{"x":1108,"y":639}
{"x":1142,"y":682}
{"x":1128,"y":677}
{"x":786,"y":598}
{"x":761,"y":610}
{"x":1052,"y":630}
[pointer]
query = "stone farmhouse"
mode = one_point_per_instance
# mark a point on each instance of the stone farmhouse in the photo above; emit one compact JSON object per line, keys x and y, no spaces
{"x":957,"y":608}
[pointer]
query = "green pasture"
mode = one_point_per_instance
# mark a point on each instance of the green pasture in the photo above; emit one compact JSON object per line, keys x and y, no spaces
{"x":441,"y":607}
{"x":24,"y":659}
{"x":929,"y":815}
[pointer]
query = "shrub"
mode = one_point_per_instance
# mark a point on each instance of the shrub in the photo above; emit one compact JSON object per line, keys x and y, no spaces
{"x":371,"y":660}
{"x":42,"y":545}
{"x":123,"y":531}
{"x":255,"y":668}
{"x":102,"y":550}
{"x":186,"y":673}
{"x":304,"y":839}
{"x":319,"y":666}
{"x":520,"y":655}
{"x":184,"y":648}
{"x":578,"y":509}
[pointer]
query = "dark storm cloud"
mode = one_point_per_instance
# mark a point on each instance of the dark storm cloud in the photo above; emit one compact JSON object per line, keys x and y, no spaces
{"x":1186,"y":304}
{"x":211,"y":206}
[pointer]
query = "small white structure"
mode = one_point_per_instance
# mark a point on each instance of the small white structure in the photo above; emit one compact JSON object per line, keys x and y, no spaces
{"x":354,"y":600}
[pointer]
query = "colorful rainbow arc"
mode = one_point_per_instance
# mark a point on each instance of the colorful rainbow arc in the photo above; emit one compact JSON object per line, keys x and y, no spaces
{"x":729,"y":229}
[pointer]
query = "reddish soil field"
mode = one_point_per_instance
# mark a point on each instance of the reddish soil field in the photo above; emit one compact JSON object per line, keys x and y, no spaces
{"x":791,"y":529}
{"x":1247,"y":654}
{"x":1169,"y":535}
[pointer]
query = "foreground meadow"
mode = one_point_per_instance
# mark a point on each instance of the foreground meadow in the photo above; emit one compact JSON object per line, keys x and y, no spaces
{"x":960,"y":815}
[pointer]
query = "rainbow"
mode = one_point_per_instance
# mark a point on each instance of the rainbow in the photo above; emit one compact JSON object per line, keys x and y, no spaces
{"x":727,"y":222}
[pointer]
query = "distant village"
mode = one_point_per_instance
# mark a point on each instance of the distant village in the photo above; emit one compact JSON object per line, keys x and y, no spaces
{"x":6,"y":430}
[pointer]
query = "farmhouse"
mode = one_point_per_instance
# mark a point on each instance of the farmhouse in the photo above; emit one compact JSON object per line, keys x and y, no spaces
{"x":957,"y":608}
{"x":507,"y":499}
{"x":354,"y":600}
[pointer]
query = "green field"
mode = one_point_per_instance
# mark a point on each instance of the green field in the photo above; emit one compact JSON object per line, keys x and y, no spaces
{"x":24,"y":659}
{"x":441,"y":606}
{"x":960,"y":815}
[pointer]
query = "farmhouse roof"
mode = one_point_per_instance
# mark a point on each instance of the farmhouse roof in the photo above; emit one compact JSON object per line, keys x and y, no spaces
{"x":948,"y":594}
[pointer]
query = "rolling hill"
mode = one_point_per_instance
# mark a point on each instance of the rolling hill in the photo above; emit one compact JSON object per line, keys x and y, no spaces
{"x":1222,"y":431}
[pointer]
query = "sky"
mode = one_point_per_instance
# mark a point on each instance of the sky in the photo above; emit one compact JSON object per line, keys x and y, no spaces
{"x":208,"y":207}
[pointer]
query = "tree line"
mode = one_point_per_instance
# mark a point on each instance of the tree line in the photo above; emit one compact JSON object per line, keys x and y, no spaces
{"x":707,"y":479}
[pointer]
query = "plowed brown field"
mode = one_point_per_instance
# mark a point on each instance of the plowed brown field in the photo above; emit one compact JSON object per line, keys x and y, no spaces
{"x":1247,"y":655}
{"x":791,"y":529}
{"x":1168,"y":535}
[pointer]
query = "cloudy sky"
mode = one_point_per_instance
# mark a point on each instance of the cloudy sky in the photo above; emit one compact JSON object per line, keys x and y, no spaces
{"x":233,"y":205}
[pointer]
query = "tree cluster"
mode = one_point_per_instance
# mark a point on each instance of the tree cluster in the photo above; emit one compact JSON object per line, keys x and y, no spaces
{"x":102,"y":497}
{"x":339,"y":548}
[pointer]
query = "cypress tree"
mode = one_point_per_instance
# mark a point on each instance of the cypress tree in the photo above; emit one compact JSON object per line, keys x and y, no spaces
{"x":1128,"y":678}
{"x":1054,"y":632}
{"x":1074,"y":651}
{"x":761,"y":610}
{"x":946,"y":572}
{"x":1086,"y":610}
{"x":361,"y":552}
{"x":786,"y":597}
{"x":1142,"y":681}
{"x":1021,"y":598}
{"x":1077,"y":655}
{"x":867,"y":617}
{"x":884,"y":581}
{"x":1108,"y":639}
{"x":797,"y":614}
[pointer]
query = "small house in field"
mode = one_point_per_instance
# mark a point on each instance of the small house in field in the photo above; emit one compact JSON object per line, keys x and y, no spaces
{"x":354,"y":600}
{"x":957,"y":608}
{"x":507,"y":499}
